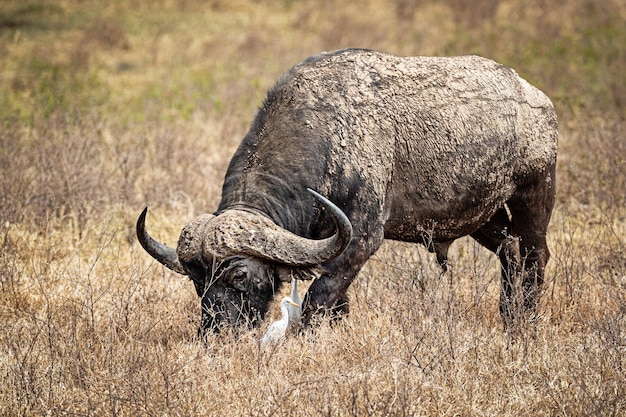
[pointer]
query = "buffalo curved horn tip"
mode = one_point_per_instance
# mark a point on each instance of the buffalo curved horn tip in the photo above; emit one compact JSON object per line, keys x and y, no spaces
{"x":162,"y":253}
{"x":342,"y":223}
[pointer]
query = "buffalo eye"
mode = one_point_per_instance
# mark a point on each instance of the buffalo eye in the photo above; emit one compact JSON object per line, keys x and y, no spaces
{"x":238,"y":278}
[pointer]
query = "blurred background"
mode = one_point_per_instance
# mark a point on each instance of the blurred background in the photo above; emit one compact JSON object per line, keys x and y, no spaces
{"x":93,"y":92}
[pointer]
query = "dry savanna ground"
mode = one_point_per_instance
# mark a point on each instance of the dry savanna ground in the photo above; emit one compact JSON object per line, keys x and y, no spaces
{"x":106,"y":107}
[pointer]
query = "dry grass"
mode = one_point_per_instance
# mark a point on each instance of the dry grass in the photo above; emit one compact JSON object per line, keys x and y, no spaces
{"x":105,"y":109}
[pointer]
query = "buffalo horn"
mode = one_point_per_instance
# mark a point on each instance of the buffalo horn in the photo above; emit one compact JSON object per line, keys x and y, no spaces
{"x":237,"y":232}
{"x":162,"y":253}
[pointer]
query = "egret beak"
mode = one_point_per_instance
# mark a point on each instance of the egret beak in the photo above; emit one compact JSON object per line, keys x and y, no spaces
{"x":292,"y":303}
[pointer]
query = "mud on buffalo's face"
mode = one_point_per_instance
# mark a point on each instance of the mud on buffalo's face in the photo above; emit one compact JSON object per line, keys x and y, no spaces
{"x":237,"y":259}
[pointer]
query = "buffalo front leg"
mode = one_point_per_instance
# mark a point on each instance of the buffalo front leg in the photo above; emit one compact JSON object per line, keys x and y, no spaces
{"x":327,"y":295}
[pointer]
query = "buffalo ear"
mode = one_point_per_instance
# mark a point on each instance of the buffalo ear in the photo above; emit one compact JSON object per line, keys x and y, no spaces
{"x":286,"y":273}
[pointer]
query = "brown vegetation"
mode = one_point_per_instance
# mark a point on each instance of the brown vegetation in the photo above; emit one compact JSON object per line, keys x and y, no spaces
{"x":108,"y":107}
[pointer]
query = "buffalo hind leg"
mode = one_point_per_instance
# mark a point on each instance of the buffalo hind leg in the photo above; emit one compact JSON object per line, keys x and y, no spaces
{"x":531,"y":210}
{"x":496,"y":235}
{"x":520,"y":243}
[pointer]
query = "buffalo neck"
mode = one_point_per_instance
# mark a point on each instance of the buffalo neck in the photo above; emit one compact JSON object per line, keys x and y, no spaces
{"x":271,"y":197}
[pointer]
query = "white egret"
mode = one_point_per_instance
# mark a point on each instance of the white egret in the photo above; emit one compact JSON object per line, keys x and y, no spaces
{"x":276,"y":332}
{"x":295,"y":313}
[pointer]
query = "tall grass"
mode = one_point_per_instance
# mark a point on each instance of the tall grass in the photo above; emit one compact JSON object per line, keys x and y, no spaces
{"x":108,"y":108}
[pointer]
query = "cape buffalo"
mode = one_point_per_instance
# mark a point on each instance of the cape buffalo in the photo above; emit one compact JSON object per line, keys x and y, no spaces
{"x":417,"y":149}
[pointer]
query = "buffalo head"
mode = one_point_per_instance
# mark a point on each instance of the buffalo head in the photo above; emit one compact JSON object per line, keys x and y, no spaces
{"x":239,"y":258}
